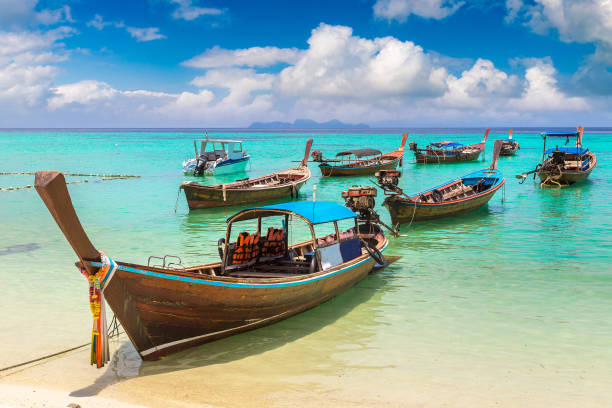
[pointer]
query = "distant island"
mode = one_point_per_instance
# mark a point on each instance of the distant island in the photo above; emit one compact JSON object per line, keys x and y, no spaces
{"x":307,"y":124}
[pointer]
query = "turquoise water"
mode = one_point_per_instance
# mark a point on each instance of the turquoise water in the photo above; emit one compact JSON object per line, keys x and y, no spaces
{"x":516,"y":296}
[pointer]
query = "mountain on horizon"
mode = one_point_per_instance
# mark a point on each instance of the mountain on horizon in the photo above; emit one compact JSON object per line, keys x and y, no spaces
{"x":308,"y":124}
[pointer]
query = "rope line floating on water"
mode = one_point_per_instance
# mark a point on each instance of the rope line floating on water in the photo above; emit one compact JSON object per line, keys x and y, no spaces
{"x":103,"y":177}
{"x":26,"y":173}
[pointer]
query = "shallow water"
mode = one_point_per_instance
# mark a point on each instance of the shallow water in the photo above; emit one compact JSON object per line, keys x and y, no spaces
{"x":514,"y":297}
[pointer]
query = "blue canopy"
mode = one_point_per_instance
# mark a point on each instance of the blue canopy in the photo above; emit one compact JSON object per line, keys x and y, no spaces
{"x":316,"y":212}
{"x":446,"y":144}
{"x":569,"y":149}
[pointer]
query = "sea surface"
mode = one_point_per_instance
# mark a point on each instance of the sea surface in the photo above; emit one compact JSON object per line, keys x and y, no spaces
{"x":513,"y":299}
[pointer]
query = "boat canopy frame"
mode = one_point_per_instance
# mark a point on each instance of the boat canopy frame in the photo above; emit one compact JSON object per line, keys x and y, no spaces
{"x":567,"y":135}
{"x":311,"y":212}
{"x":359,"y":153}
{"x":224,"y":144}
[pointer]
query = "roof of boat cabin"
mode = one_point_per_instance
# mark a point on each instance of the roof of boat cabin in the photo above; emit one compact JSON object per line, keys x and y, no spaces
{"x":219,"y":141}
{"x":568,"y":149}
{"x":446,"y":144}
{"x":360,"y":152}
{"x":560,"y":134}
{"x":484,"y":173}
{"x":315,"y":212}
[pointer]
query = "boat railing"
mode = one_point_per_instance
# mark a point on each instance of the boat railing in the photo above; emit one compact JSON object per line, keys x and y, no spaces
{"x":165,"y":263}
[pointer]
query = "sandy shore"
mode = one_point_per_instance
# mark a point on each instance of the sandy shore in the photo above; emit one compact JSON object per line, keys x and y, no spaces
{"x":222,"y":375}
{"x":14,"y":396}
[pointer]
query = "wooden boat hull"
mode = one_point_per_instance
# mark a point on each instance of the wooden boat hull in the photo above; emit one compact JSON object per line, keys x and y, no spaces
{"x":342,"y":171}
{"x":567,"y":177}
{"x":508,"y":150}
{"x":163,"y":313}
{"x":432,"y":159}
{"x":199,"y":196}
{"x":403,"y":211}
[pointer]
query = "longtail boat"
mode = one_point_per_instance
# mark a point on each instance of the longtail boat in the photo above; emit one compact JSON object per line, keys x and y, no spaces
{"x":352,"y":162}
{"x":455,"y":197}
{"x":216,"y":157}
{"x":565,"y":165}
{"x":448,"y":152}
{"x":509,"y":145}
{"x":285,"y":183}
{"x":260,"y":277}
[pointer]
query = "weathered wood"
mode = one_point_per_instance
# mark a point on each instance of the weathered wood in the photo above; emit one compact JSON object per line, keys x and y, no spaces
{"x":165,"y":310}
{"x":367,"y":166}
{"x":51,"y":186}
{"x":432,"y":155}
{"x":264,"y":188}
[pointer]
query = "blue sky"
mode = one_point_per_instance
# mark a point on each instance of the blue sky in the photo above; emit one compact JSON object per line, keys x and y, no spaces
{"x":186,"y":63}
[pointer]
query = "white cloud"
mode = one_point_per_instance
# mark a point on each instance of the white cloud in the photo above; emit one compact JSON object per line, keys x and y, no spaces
{"x":50,"y":17}
{"x":583,"y":21}
{"x":480,"y":84}
{"x":574,"y":20}
{"x":18,"y":13}
{"x":99,"y":23}
{"x":26,"y":77}
{"x":339,"y":75}
{"x":542,"y":93}
{"x":187,"y":11}
{"x":338,"y":64}
{"x":248,"y":57}
{"x":400,"y":9}
{"x":145,"y":34}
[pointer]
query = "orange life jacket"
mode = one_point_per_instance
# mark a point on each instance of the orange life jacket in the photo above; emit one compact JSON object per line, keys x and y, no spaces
{"x":254,"y":246}
{"x":240,"y":254}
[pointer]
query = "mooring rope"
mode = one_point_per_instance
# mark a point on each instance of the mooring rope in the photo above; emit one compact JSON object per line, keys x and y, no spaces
{"x":104,"y":177}
{"x":114,"y":333}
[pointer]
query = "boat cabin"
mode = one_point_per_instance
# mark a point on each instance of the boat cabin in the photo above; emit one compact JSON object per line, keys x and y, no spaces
{"x":211,"y":149}
{"x":569,"y":157}
{"x":358,"y":154}
{"x":443,"y":148}
{"x":258,"y":241}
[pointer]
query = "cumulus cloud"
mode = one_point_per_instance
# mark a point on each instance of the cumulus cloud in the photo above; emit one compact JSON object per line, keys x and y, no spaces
{"x":145,"y":34}
{"x":338,"y":64}
{"x":481,"y":83}
{"x":338,"y":75}
{"x":542,"y":92}
{"x":187,"y":11}
{"x":247,"y":57}
{"x":583,"y":21}
{"x":19,"y":13}
{"x":88,"y":93}
{"x":26,"y":70}
{"x":574,"y":20}
{"x":400,"y":9}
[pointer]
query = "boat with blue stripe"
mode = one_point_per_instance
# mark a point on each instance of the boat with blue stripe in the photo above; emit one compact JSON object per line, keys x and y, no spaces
{"x":260,"y":276}
{"x":452,"y":198}
{"x":562,"y":166}
{"x":216,"y":156}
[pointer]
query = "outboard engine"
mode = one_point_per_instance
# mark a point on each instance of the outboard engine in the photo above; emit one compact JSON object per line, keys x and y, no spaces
{"x":558,"y":157}
{"x":412,"y":146}
{"x":317,"y":156}
{"x":200,"y":166}
{"x":388,"y":179}
{"x":361,"y":200}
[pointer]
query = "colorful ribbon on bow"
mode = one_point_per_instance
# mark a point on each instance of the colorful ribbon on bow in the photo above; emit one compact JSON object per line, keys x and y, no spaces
{"x":100,"y":354}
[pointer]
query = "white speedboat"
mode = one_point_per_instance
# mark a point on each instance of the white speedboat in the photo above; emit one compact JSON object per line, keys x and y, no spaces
{"x":216,"y":157}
